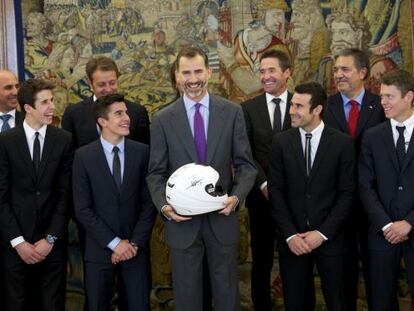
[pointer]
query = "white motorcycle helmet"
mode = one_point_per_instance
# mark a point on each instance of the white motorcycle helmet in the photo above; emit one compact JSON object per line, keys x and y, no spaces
{"x":192,"y":190}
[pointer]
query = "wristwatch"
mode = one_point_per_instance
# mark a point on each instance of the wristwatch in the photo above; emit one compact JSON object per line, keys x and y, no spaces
{"x":51,"y":239}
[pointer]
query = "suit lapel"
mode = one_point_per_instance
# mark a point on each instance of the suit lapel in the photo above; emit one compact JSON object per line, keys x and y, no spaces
{"x":50,"y":139}
{"x":129,"y":165}
{"x":89,"y":118}
{"x":287,"y":121}
{"x":389,"y":144}
{"x":215,"y":125}
{"x":263,"y":112}
{"x":409,"y":154}
{"x":298,"y":150}
{"x":21,"y":142}
{"x":104,"y":165}
{"x":337,"y":108}
{"x":323,"y":148}
{"x":366,"y":112}
{"x":179,"y":122}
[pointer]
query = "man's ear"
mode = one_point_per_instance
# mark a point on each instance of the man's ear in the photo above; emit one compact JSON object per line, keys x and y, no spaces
{"x":101,"y":121}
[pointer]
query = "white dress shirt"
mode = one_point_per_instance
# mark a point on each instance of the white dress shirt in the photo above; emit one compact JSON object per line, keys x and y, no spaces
{"x":271,"y":106}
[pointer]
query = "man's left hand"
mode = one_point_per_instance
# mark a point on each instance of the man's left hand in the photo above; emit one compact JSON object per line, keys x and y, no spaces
{"x":229,"y":205}
{"x":312,"y":238}
{"x":43,"y":247}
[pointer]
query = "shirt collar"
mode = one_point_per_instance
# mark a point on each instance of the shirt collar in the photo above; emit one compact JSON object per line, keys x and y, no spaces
{"x":108,"y":146}
{"x":358,"y":99}
{"x":189,"y":103}
{"x":30,"y":132}
{"x":11,"y":112}
{"x":283,"y":97}
{"x":317,"y":131}
{"x":407,"y":123}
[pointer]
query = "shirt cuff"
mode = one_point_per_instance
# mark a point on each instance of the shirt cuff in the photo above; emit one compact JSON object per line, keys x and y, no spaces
{"x":289,"y":238}
{"x":164,"y":214}
{"x":17,"y":241}
{"x":264,"y":185}
{"x":323,"y":236}
{"x":386,"y":226}
{"x":113,"y":244}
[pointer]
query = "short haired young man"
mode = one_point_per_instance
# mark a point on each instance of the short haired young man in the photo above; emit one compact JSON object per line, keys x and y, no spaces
{"x":35,"y":167}
{"x":386,"y":176}
{"x":311,"y":185}
{"x":113,"y":205}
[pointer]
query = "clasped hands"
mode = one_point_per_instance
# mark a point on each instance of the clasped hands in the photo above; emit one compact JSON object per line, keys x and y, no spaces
{"x":123,"y":251}
{"x":397,"y":232}
{"x":33,"y":253}
{"x":304,"y":243}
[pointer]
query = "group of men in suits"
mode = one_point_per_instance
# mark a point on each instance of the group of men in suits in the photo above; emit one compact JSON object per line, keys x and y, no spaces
{"x":294,"y":156}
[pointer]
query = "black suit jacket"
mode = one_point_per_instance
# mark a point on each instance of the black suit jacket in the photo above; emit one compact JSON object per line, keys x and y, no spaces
{"x":34,"y":205}
{"x":322,"y":201}
{"x":370,"y":115}
{"x":386,"y":191}
{"x":19,"y":118}
{"x":260,"y":132}
{"x":79,"y":120}
{"x":105,"y":212}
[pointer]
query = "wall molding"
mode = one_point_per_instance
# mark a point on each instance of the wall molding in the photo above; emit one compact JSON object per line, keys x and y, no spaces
{"x":8,"y":39}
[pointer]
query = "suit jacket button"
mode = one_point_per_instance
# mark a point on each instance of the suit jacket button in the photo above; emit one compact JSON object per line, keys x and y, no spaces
{"x":308,"y":196}
{"x":400,"y":188}
{"x":37,"y":193}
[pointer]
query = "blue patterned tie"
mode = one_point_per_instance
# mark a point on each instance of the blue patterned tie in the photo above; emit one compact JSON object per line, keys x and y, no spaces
{"x":5,"y":118}
{"x":199,"y":135}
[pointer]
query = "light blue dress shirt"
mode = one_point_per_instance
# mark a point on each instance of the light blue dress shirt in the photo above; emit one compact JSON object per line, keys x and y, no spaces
{"x":347,"y":105}
{"x":204,"y":110}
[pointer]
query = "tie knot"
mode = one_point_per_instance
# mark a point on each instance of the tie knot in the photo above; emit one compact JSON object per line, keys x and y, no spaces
{"x":308,"y":135}
{"x":115,"y":149}
{"x":400,"y":129}
{"x":5,"y":117}
{"x":276,"y":101}
{"x":353,"y":103}
{"x":197,"y":106}
{"x":37,"y":134}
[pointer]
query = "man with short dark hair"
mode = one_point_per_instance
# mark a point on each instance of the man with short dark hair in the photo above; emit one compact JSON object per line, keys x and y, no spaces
{"x":35,"y":166}
{"x":103,"y":74}
{"x":9,"y":116}
{"x":204,"y":128}
{"x":113,"y":205}
{"x":353,"y":110}
{"x":265,"y":115}
{"x":311,"y":186}
{"x":386,"y":177}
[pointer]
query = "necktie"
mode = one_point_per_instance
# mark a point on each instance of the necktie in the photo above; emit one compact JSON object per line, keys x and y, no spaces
{"x":5,"y":118}
{"x":277,"y":116}
{"x":116,"y":168}
{"x":308,"y":153}
{"x":36,"y":152}
{"x":353,"y":118}
{"x":400,"y":145}
{"x":199,"y":135}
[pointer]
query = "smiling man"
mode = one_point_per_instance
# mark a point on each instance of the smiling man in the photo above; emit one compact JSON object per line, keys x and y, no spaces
{"x":9,"y":116}
{"x":265,"y":115}
{"x":386,"y":171}
{"x":204,"y":128}
{"x":311,"y":186}
{"x":352,"y":110}
{"x":113,"y":205}
{"x":35,"y":166}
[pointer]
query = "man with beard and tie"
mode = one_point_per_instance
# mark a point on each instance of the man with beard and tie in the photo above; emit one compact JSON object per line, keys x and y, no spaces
{"x":353,"y":110}
{"x":204,"y":128}
{"x":9,"y":116}
{"x":265,"y":115}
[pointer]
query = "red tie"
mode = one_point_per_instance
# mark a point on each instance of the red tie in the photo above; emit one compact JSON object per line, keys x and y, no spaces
{"x":353,"y":118}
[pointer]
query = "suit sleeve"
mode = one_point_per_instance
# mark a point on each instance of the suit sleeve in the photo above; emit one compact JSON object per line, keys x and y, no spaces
{"x":9,"y":228}
{"x":345,"y":185}
{"x":367,"y":186}
{"x":83,"y":204}
{"x":158,"y":171}
{"x":142,"y":133}
{"x":244,"y":167}
{"x":143,"y":228}
{"x":277,"y":189}
{"x":60,"y":217}
{"x":261,"y":175}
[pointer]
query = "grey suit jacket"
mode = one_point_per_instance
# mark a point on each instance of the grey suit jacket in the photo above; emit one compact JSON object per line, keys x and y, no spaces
{"x":228,"y":152}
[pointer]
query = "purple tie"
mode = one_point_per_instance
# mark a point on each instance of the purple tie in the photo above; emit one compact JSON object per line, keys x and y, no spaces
{"x":199,"y":135}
